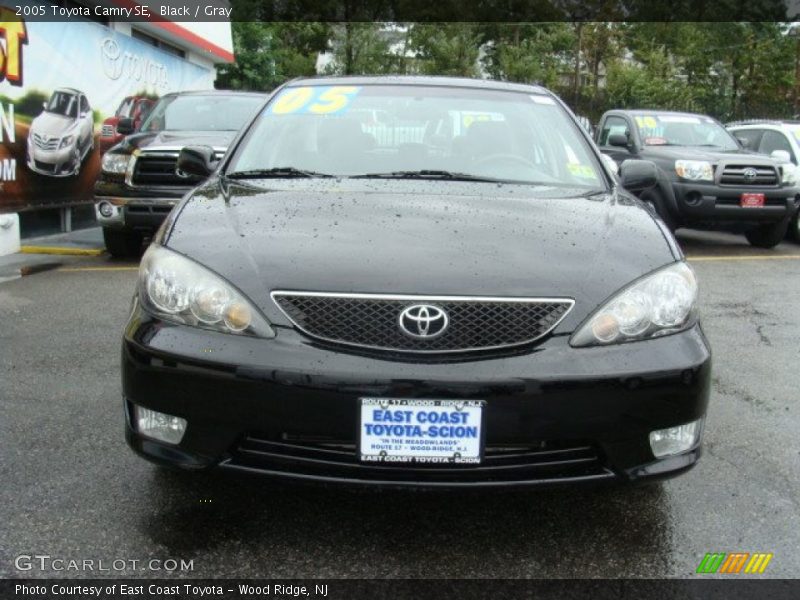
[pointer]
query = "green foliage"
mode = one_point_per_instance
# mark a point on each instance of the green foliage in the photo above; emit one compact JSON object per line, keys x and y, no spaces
{"x":30,"y":103}
{"x":446,"y":48}
{"x":267,"y":54}
{"x":528,"y":53}
{"x":362,"y":49}
{"x":726,"y":69}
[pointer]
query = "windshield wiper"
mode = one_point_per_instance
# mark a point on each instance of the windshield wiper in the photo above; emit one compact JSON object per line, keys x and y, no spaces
{"x":276,"y":172}
{"x":427,"y":174}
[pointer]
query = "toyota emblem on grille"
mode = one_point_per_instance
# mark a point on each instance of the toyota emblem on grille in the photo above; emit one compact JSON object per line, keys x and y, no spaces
{"x":750,"y":174}
{"x":423,"y":321}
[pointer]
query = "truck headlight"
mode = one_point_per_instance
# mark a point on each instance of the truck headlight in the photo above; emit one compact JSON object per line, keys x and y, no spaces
{"x":789,"y":174}
{"x":694,"y":170}
{"x":660,"y":303}
{"x":115,"y":163}
{"x":177,"y":289}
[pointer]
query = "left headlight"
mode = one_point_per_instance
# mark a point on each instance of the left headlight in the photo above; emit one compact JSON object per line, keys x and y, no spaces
{"x":660,"y":303}
{"x":115,"y":163}
{"x":180,"y":290}
{"x":694,"y":170}
{"x":66,"y":141}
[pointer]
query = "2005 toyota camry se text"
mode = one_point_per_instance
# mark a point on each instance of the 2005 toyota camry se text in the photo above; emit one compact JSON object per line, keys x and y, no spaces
{"x":420,"y":282}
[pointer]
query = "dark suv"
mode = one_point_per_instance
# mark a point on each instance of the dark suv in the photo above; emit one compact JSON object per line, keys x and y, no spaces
{"x":139,"y":184}
{"x":706,"y":179}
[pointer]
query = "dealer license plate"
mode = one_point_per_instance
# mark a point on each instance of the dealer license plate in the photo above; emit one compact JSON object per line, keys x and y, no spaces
{"x":401,"y":430}
{"x":751,"y":200}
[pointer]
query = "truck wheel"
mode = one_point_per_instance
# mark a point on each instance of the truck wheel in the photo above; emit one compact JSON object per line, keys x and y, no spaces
{"x":767,"y":236}
{"x":122,"y":244}
{"x":656,"y":201}
{"x":795,"y":228}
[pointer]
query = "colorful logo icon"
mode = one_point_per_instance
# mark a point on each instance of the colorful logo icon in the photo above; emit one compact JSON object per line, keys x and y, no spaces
{"x":734,"y":563}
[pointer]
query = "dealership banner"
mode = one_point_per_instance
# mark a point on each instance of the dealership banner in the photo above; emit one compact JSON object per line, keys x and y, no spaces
{"x":58,"y":83}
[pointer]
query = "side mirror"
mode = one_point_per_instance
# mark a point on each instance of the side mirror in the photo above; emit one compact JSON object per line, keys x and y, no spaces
{"x":125,"y":126}
{"x":638,"y":175}
{"x":618,"y":139}
{"x":782,"y":156}
{"x":197,"y":160}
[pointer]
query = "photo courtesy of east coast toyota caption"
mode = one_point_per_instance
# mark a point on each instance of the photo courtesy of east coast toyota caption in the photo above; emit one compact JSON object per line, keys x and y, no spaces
{"x":416,"y":281}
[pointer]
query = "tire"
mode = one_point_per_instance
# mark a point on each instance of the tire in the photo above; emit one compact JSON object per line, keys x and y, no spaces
{"x":656,"y":201}
{"x":121,"y":243}
{"x":767,"y":236}
{"x":794,"y":228}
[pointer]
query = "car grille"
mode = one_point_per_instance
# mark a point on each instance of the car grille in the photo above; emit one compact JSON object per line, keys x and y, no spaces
{"x":107,"y":131}
{"x":43,"y":166}
{"x":734,"y":175}
{"x":372,"y":321}
{"x":159,"y":170}
{"x":40,"y":142}
{"x":550,"y":461}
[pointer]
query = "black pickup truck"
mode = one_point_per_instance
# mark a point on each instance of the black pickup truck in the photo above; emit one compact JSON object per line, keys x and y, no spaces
{"x":706,"y":179}
{"x":139,"y":184}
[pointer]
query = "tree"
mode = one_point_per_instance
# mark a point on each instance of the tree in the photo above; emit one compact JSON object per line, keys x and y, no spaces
{"x":362,"y":49}
{"x":267,"y":54}
{"x":527,"y":53}
{"x":446,"y":48}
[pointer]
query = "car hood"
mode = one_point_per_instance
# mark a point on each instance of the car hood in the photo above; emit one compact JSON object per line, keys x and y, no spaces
{"x":406,"y":238}
{"x":52,"y":124}
{"x":175,"y":140}
{"x":714,"y":156}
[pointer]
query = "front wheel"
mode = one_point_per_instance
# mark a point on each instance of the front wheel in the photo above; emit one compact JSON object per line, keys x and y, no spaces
{"x":121,"y":243}
{"x":794,"y":227}
{"x":767,"y":236}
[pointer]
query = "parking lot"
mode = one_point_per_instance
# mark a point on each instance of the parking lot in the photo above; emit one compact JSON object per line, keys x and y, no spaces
{"x":72,"y":489}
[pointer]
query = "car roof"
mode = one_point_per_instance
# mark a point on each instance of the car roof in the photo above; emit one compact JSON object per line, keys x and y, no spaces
{"x":762,"y":124}
{"x":68,"y":89}
{"x":420,"y":80}
{"x":643,"y":111}
{"x":218,"y":93}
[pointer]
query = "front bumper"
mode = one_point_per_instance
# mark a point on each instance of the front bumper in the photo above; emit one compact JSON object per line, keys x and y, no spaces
{"x":135,"y":214}
{"x":288,"y":406}
{"x":697,"y":202}
{"x":53,"y":163}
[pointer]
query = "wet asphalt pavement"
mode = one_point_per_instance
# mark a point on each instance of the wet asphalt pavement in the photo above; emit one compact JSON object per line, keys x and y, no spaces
{"x":70,"y":487}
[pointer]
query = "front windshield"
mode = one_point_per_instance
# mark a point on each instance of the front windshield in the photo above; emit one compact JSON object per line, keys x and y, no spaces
{"x":389,"y":130}
{"x":666,"y":129}
{"x":196,"y":112}
{"x":63,"y":104}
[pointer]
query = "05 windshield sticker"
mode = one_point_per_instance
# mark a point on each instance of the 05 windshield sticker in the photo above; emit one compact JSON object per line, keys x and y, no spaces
{"x":317,"y":100}
{"x":582,"y":171}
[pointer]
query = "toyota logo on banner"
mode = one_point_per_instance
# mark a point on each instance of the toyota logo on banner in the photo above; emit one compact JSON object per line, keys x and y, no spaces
{"x":423,"y":321}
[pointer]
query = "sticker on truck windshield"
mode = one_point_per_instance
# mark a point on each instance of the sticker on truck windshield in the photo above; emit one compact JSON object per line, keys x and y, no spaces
{"x":317,"y":100}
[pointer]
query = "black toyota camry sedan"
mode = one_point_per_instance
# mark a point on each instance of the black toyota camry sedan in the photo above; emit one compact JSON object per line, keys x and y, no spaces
{"x":416,"y":282}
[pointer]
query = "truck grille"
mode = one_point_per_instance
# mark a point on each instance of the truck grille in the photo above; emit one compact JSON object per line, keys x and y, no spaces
{"x":372,"y":321}
{"x":107,"y":131}
{"x":159,"y":169}
{"x":737,"y":175}
{"x":45,"y":144}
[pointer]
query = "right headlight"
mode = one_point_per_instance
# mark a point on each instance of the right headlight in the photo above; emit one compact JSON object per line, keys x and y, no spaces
{"x":660,"y":303}
{"x":177,"y":289}
{"x":115,"y":163}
